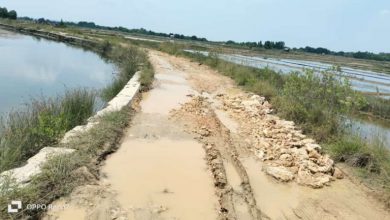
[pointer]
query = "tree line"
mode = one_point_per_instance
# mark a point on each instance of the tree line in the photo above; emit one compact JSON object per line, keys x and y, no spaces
{"x":278,"y":45}
{"x":357,"y":55}
{"x":86,"y":24}
{"x":4,"y":13}
{"x":266,"y":45}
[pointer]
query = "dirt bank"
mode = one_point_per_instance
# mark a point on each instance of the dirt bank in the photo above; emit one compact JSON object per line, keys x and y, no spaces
{"x":201,"y":148}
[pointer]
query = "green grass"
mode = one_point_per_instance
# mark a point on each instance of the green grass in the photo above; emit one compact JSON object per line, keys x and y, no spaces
{"x":42,"y":123}
{"x":61,"y":174}
{"x":129,"y":60}
{"x":377,"y":107}
{"x":147,"y":76}
{"x":371,"y":160}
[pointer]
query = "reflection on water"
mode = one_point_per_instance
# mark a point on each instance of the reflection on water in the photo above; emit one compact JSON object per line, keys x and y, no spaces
{"x":30,"y":67}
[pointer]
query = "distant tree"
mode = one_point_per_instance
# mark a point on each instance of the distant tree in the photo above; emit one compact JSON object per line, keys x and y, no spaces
{"x":26,"y":18}
{"x":268,"y":45}
{"x":61,"y":24}
{"x":86,"y":24}
{"x":41,"y":21}
{"x":12,"y":15}
{"x":3,"y":13}
{"x":279,"y":45}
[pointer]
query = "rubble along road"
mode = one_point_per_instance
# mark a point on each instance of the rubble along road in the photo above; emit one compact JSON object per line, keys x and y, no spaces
{"x":202,"y":148}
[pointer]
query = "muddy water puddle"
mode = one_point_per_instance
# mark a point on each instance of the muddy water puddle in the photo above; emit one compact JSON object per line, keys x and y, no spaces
{"x":159,"y":172}
{"x":165,"y":176}
{"x":169,"y":92}
{"x":164,"y":98}
{"x":68,"y":212}
{"x":341,"y":200}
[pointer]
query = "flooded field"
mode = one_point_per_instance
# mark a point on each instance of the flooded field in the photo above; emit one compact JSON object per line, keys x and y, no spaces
{"x":32,"y":67}
{"x":361,"y":80}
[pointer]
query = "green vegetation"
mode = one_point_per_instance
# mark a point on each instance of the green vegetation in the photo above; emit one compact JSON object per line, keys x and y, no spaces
{"x":23,"y":133}
{"x":62,"y":174}
{"x":279,"y":45}
{"x":4,"y":13}
{"x":377,"y":107}
{"x":147,"y":76}
{"x":371,"y":160}
{"x":317,"y":103}
{"x":92,"y":25}
{"x":129,"y":60}
{"x":357,"y":55}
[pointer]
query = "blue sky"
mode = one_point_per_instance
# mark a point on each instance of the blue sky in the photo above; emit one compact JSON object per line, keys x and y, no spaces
{"x":348,"y":25}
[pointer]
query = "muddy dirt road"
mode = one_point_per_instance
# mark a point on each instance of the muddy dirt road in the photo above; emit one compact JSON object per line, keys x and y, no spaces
{"x":201,"y":148}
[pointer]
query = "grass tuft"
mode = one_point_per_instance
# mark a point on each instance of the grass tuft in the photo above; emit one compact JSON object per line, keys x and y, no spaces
{"x":42,"y":123}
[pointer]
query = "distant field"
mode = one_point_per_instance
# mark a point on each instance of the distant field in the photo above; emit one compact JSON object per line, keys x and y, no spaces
{"x":372,"y":65}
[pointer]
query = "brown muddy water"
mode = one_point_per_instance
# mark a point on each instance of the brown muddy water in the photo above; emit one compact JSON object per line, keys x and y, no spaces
{"x":341,"y":200}
{"x":160,"y":172}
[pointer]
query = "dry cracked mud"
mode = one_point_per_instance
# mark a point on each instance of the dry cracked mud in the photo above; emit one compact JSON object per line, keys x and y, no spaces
{"x":201,"y":148}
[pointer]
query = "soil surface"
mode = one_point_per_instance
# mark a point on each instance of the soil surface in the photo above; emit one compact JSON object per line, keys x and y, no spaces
{"x":201,"y":148}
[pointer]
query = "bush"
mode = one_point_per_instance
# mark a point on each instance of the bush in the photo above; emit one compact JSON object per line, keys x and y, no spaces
{"x":105,"y":48}
{"x":265,"y":89}
{"x":316,"y":102}
{"x":373,"y":158}
{"x":147,"y":76}
{"x":129,"y":61}
{"x":170,"y":48}
{"x":345,"y":147}
{"x":378,"y":107}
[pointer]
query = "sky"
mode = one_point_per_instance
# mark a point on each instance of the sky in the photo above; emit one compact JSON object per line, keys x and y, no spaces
{"x":348,"y":25}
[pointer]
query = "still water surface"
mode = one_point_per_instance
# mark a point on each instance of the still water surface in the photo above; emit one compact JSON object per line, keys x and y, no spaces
{"x":31,"y":67}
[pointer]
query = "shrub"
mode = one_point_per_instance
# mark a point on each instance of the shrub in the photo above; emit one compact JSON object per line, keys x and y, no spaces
{"x":316,"y":102}
{"x":129,"y":60}
{"x":377,"y":106}
{"x":265,"y":89}
{"x":147,"y":76}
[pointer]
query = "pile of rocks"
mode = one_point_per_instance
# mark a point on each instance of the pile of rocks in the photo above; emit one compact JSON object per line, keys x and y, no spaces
{"x":287,"y":153}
